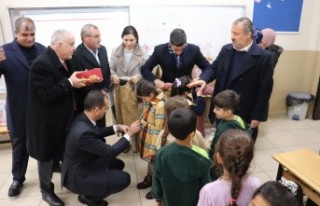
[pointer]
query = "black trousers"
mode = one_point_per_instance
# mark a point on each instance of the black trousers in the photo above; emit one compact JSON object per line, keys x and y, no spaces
{"x":110,"y":181}
{"x":45,"y":175}
{"x":20,"y":157}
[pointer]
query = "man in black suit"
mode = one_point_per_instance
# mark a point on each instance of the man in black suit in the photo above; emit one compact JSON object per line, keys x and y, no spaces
{"x":50,"y":107}
{"x":90,"y":166}
{"x":15,"y":62}
{"x":176,"y":59}
{"x":91,"y":54}
{"x":245,"y":68}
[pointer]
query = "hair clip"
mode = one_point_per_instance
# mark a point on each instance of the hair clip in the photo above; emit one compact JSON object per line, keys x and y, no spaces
{"x":178,"y":82}
{"x":291,"y":186}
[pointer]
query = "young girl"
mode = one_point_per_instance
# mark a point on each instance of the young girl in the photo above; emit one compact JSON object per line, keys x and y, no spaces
{"x":282,"y":193}
{"x":152,"y":122}
{"x":234,"y":152}
{"x":165,"y":137}
{"x":195,"y":99}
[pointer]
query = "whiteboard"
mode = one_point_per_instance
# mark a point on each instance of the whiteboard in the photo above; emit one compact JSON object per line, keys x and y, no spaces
{"x":208,"y":27}
{"x":109,"y":21}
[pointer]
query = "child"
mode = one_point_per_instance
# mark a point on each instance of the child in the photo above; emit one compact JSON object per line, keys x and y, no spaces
{"x":181,"y":168}
{"x":165,"y":137}
{"x":225,"y":105}
{"x":280,"y":193}
{"x":195,"y":99}
{"x":234,"y":152}
{"x":152,"y":122}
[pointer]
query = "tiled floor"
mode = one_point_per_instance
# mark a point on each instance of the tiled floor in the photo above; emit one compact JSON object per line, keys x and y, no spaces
{"x":277,"y":135}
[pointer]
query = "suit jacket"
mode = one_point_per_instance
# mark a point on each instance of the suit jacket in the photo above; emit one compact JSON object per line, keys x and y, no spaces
{"x":16,"y":72}
{"x":50,"y":105}
{"x":252,"y":80}
{"x":87,"y":61}
{"x":87,"y":154}
{"x":166,"y":59}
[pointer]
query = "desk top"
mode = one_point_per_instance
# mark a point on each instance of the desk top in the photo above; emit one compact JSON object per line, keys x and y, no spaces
{"x":3,"y":129}
{"x":304,"y":164}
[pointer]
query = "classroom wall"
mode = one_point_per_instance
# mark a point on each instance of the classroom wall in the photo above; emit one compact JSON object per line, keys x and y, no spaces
{"x":297,"y":70}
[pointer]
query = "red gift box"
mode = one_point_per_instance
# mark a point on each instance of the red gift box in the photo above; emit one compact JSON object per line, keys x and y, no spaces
{"x":91,"y":75}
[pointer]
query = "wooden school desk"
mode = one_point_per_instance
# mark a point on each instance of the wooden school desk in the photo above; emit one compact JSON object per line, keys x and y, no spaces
{"x":303,"y":167}
{"x":4,"y":130}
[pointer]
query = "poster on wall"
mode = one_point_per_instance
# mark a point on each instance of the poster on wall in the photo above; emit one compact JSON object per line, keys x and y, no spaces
{"x":280,"y":15}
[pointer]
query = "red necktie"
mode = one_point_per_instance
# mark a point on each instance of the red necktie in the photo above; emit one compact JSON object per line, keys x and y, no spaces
{"x":65,"y":66}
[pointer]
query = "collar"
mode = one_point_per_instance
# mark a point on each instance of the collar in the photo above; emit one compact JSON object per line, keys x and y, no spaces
{"x":245,"y":49}
{"x":93,"y":122}
{"x":93,"y":52}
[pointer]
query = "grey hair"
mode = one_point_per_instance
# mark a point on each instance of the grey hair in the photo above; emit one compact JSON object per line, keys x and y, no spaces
{"x":247,"y":24}
{"x":29,"y":24}
{"x":85,"y":30}
{"x":59,"y":35}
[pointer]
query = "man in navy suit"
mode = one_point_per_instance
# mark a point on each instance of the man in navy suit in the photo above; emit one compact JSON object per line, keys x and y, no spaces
{"x":176,"y":59}
{"x":91,"y":54}
{"x":91,"y":167}
{"x":245,"y":68}
{"x":15,"y":62}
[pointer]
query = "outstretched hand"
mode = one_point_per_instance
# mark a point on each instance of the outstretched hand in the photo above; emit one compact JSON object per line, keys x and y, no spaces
{"x":134,"y":128}
{"x":122,"y":128}
{"x":197,"y":83}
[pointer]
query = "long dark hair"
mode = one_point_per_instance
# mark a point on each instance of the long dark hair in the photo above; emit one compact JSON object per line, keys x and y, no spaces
{"x":235,"y":148}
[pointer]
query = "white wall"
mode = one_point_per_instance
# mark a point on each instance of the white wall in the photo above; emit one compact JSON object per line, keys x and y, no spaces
{"x":306,"y":39}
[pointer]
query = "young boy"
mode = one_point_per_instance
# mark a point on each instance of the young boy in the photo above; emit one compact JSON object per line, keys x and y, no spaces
{"x":181,"y":169}
{"x":225,"y":106}
{"x":152,"y":122}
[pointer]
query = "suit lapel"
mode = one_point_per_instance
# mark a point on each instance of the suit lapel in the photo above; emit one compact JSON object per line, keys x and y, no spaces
{"x":20,"y":56}
{"x":89,"y":57}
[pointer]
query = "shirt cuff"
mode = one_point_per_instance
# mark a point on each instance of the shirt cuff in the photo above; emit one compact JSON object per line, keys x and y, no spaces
{"x":127,"y":137}
{"x":115,"y":128}
{"x":70,"y":82}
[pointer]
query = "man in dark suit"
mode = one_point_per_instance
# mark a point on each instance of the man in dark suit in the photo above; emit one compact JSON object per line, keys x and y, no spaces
{"x":245,"y":68}
{"x":176,"y":59}
{"x":90,"y":166}
{"x":92,"y":55}
{"x":15,"y":62}
{"x":50,"y":107}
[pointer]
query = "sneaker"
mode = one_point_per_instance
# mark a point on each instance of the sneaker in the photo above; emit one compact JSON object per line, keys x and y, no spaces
{"x":147,"y":182}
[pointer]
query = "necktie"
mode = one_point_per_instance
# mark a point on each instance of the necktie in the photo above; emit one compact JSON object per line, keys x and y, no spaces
{"x":178,"y":62}
{"x":65,"y":66}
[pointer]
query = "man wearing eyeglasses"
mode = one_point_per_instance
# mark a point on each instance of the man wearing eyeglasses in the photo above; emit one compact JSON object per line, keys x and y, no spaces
{"x":91,"y":54}
{"x":176,"y":59}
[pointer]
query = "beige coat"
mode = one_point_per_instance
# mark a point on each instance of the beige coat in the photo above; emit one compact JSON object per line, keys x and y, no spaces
{"x":117,"y":62}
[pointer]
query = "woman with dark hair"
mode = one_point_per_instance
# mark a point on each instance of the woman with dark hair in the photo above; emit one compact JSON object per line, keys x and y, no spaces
{"x":125,"y":64}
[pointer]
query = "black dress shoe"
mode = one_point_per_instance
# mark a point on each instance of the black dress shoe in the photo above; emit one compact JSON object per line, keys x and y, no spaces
{"x":52,"y":199}
{"x":91,"y":201}
{"x":15,"y":188}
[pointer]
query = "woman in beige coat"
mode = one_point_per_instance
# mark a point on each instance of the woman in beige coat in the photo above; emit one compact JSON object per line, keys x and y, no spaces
{"x":125,"y":64}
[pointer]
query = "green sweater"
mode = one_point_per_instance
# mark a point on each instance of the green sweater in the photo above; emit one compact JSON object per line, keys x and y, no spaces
{"x":179,"y":174}
{"x":223,"y":126}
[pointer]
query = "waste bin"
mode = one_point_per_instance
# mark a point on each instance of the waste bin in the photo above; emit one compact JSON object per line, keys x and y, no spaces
{"x":297,"y":103}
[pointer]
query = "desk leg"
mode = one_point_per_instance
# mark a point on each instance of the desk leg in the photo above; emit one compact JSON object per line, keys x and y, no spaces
{"x":279,"y":173}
